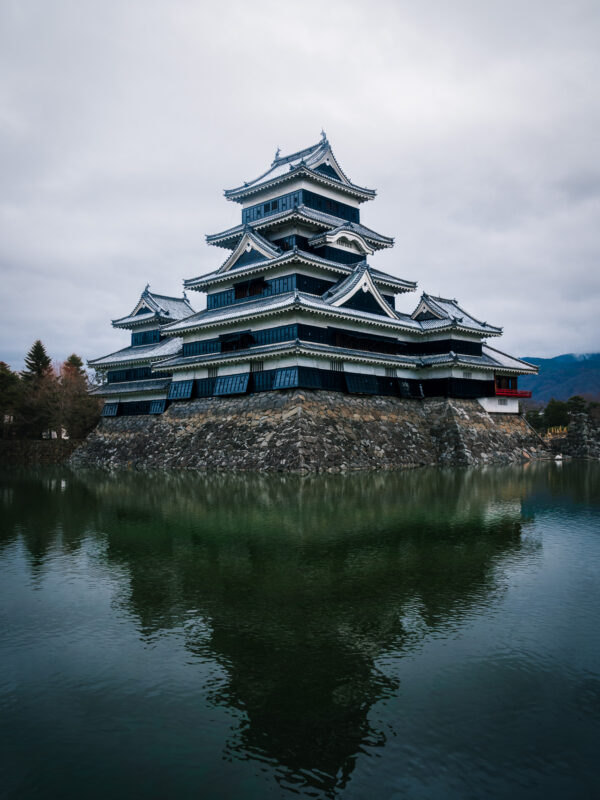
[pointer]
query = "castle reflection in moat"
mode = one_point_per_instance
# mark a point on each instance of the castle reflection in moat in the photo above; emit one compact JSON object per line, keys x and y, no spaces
{"x":304,"y":583}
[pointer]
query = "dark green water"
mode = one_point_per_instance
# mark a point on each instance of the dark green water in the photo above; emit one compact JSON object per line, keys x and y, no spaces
{"x":431,"y":634}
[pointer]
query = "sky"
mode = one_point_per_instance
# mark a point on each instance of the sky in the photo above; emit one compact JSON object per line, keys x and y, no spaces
{"x":121,"y":123}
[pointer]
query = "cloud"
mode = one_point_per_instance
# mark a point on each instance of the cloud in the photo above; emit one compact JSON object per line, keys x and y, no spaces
{"x":121,"y":123}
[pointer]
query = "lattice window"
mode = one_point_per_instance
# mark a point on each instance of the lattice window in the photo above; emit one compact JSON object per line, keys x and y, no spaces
{"x":390,"y":372}
{"x":157,"y":406}
{"x":133,"y":374}
{"x":263,"y":381}
{"x":502,"y":401}
{"x":202,"y":348}
{"x":257,"y":366}
{"x":181,"y":390}
{"x":110,"y":409}
{"x":336,"y":366}
{"x":467,"y":374}
{"x":283,"y":333}
{"x":145,"y":337}
{"x":232,"y":384}
{"x":213,"y":372}
{"x":205,"y":387}
{"x":286,"y":378}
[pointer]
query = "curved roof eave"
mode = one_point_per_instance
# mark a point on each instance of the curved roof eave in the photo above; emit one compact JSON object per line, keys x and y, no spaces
{"x":302,"y":257}
{"x":304,"y":302}
{"x":303,"y":214}
{"x":240,"y":193}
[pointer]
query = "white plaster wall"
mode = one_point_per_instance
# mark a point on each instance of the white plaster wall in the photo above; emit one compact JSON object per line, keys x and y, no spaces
{"x":493,"y":405}
{"x":280,"y":362}
{"x":453,"y":372}
{"x":465,"y":337}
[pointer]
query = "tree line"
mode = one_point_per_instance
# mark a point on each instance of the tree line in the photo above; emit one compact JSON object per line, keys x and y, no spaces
{"x":557,"y":413}
{"x":45,"y":400}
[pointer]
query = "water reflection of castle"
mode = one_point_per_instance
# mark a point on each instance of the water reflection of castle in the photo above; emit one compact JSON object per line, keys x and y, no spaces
{"x":305,"y":583}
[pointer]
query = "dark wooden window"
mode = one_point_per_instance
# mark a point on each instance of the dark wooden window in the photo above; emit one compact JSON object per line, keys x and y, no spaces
{"x":232,"y":384}
{"x":362,"y":384}
{"x":145,"y":337}
{"x":181,"y":390}
{"x":286,"y":378}
{"x":133,"y":374}
{"x":134,"y":408}
{"x":205,"y":387}
{"x":201,"y":348}
{"x":302,"y":197}
{"x":506,"y":382}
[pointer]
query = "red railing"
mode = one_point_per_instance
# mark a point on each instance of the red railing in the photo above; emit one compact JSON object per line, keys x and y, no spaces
{"x":512,"y":393}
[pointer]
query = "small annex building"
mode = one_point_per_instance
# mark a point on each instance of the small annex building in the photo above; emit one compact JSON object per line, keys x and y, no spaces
{"x":298,"y":303}
{"x":130,"y":386}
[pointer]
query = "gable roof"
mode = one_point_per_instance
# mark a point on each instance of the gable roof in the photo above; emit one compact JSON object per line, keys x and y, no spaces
{"x":359,"y":280}
{"x":155,"y":307}
{"x":437,"y":311}
{"x":250,"y":243}
{"x":509,"y":362}
{"x":349,"y":230}
{"x":317,"y":162}
{"x":278,"y":304}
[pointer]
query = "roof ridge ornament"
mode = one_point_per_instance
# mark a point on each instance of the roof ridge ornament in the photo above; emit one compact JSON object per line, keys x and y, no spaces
{"x":323,"y":135}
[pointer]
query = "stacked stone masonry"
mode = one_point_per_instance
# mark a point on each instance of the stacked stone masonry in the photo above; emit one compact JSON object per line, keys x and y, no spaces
{"x":311,"y":431}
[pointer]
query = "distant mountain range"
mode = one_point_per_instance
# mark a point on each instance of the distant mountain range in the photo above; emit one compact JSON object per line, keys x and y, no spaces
{"x":562,"y":377}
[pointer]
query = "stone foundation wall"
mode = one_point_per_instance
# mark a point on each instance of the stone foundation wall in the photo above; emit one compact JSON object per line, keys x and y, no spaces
{"x":311,"y":431}
{"x":583,"y":437}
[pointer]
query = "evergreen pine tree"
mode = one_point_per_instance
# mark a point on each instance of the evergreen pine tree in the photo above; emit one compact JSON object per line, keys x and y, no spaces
{"x":37,"y":362}
{"x":38,"y":411}
{"x":11,"y":397}
{"x":75,"y":364}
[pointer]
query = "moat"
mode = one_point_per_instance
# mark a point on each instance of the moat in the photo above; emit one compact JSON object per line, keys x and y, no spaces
{"x":421,"y":634}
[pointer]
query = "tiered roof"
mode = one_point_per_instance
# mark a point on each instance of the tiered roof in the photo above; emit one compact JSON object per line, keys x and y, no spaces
{"x":491,"y":360}
{"x":327,"y":222}
{"x":157,"y":384}
{"x":155,"y":307}
{"x":434,"y":312}
{"x":140,"y":354}
{"x":300,"y":257}
{"x":330,"y":305}
{"x":316,"y":162}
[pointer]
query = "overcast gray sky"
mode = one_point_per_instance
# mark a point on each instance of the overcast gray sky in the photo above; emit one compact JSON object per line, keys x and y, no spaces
{"x":122,"y":122}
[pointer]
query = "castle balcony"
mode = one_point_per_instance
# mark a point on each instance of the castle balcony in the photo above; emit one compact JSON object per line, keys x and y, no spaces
{"x":521,"y":393}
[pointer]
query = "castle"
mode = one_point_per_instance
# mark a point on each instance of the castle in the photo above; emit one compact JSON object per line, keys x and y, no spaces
{"x":297,"y":304}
